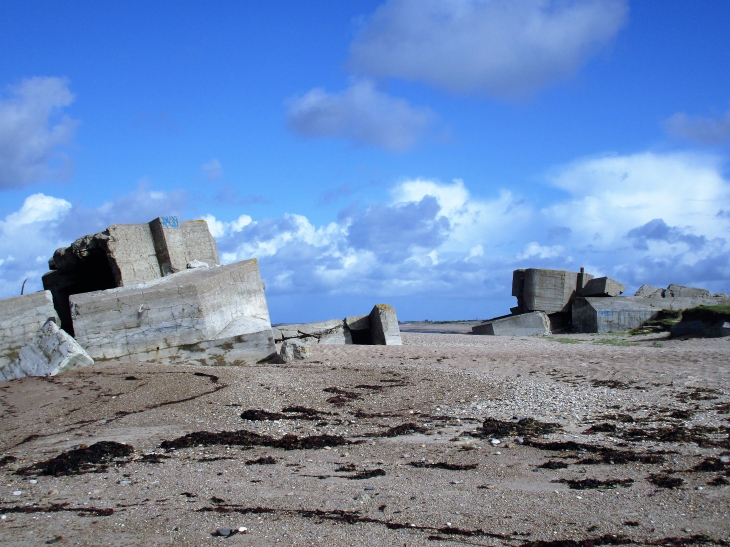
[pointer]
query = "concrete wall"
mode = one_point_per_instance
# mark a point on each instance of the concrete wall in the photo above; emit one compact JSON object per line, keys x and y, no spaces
{"x":215,"y":316}
{"x":384,"y":329}
{"x":21,"y":318}
{"x":598,"y":314}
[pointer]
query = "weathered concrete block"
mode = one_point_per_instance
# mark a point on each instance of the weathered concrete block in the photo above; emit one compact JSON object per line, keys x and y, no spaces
{"x":178,"y":243}
{"x":296,"y":349}
{"x":357,"y":322}
{"x":21,"y":317}
{"x":131,"y":254}
{"x":688,"y":292}
{"x":603,"y":286}
{"x":551,"y":290}
{"x":648,"y":291}
{"x":384,"y":329}
{"x":276,"y":333}
{"x":215,"y":316}
{"x":534,"y":323}
{"x":599,"y":315}
{"x":51,"y":352}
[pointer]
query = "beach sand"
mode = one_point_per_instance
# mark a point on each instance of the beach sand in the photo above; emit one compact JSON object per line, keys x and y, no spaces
{"x":641,"y":421}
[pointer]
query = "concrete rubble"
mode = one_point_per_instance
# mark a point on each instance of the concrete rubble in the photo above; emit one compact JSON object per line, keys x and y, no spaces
{"x":50,"y":352}
{"x":380,"y":327}
{"x":578,"y":302}
{"x":148,"y":292}
{"x":157,"y":292}
{"x":21,"y":317}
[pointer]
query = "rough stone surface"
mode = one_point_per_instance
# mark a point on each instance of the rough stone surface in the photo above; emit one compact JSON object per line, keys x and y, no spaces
{"x":551,"y":290}
{"x":648,"y":291}
{"x":384,"y":329}
{"x":215,"y":316}
{"x":688,"y":292}
{"x":276,"y":333}
{"x":594,"y":314}
{"x":50,"y":352}
{"x":21,"y":317}
{"x":196,"y":264}
{"x":296,"y":349}
{"x":131,"y":254}
{"x":527,"y":324}
{"x":603,"y":286}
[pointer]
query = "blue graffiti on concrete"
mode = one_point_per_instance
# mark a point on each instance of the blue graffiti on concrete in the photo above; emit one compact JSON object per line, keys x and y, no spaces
{"x":170,"y":222}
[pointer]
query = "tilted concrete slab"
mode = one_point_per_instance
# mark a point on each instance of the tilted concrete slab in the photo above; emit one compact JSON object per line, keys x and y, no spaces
{"x":51,"y":352}
{"x":215,"y":316}
{"x":21,"y":317}
{"x":595,"y":314}
{"x":690,"y":292}
{"x":384,"y":329}
{"x":647,"y":291}
{"x":551,"y":290}
{"x":332,"y":331}
{"x":534,"y":323}
{"x":603,"y":286}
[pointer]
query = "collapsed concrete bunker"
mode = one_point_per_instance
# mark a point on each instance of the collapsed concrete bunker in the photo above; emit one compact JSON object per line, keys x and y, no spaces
{"x":560,"y":301}
{"x":145,"y":292}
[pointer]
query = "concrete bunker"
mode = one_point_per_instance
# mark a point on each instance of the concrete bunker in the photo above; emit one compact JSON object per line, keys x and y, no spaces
{"x":124,"y":255}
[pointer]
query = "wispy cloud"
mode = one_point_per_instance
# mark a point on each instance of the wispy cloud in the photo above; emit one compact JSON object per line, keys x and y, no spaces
{"x":498,"y":47}
{"x":33,"y":131}
{"x":361,"y":114}
{"x":704,"y":130}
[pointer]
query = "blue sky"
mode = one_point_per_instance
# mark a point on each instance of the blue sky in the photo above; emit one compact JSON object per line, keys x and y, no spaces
{"x":412,"y":152}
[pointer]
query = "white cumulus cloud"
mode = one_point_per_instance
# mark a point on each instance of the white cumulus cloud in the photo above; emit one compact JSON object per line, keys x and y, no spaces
{"x":33,"y":131}
{"x":361,"y":114}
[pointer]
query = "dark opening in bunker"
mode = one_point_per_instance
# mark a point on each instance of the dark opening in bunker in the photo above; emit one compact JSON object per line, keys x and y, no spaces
{"x":361,"y":337}
{"x":75,"y":271}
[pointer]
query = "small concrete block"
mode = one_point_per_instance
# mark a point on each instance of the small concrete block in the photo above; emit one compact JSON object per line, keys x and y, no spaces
{"x":50,"y":352}
{"x":527,"y":324}
{"x":21,"y":317}
{"x":332,"y":331}
{"x":357,"y":322}
{"x":296,"y":349}
{"x":649,"y":291}
{"x":384,"y":329}
{"x":277,"y":334}
{"x":688,"y":292}
{"x":603,"y":286}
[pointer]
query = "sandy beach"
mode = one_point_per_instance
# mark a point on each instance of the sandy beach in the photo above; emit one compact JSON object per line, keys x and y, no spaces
{"x":601,"y":440}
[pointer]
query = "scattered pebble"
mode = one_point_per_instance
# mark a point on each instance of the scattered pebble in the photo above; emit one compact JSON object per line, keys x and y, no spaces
{"x":33,"y":481}
{"x":17,"y":492}
{"x":369,"y":488}
{"x":224,"y":532}
{"x":243,"y":530}
{"x":725,"y":459}
{"x":495,"y":442}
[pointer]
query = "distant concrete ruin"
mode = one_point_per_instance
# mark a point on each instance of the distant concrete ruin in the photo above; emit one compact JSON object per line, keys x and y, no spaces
{"x":379,"y":327}
{"x":578,"y":302}
{"x":146,"y":292}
